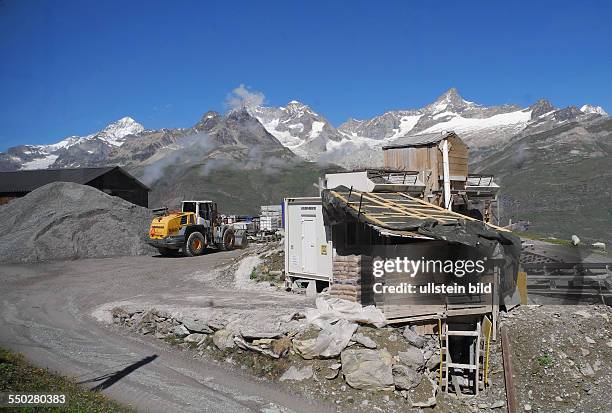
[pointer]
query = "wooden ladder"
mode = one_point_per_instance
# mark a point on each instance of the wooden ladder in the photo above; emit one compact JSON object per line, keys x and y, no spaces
{"x":479,"y":360}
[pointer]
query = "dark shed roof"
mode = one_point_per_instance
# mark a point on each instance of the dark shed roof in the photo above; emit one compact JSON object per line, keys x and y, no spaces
{"x":26,"y":181}
{"x":419,"y":140}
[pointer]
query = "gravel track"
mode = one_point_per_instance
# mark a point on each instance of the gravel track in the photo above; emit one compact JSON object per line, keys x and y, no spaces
{"x":46,"y":314}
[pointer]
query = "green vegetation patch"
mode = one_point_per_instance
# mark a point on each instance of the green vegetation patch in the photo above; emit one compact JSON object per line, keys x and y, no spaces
{"x":19,"y":376}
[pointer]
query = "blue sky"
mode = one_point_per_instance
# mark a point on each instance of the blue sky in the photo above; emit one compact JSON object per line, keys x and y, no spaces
{"x":71,"y":67}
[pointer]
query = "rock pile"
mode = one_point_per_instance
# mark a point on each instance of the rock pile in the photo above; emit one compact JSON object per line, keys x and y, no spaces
{"x":364,"y":356}
{"x":68,"y":221}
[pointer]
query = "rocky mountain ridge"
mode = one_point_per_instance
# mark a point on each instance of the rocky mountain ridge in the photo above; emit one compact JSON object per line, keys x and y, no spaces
{"x":296,"y":129}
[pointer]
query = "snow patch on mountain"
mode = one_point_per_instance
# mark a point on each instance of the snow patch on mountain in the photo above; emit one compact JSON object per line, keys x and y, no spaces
{"x":317,"y":128}
{"x":598,"y":110}
{"x":40,"y":163}
{"x":297,"y":127}
{"x":407,"y":123}
{"x":458,"y":123}
{"x":44,"y":156}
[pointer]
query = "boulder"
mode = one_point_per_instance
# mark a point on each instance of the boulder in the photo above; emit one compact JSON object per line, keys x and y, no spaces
{"x":412,"y":358}
{"x":223,"y":339}
{"x":196,"y":325}
{"x":434,"y":361}
{"x":364,"y":340}
{"x":180,"y":331}
{"x":330,"y":342}
{"x":146,"y":323}
{"x":413,"y":338}
{"x":368,"y":369}
{"x":405,"y":378}
{"x":195,"y":338}
{"x":293,"y":373}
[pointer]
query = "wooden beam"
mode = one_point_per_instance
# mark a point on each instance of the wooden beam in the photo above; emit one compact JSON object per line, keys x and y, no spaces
{"x":508,"y":379}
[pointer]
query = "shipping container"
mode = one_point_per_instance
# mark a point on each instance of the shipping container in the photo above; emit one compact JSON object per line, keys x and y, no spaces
{"x":308,"y":245}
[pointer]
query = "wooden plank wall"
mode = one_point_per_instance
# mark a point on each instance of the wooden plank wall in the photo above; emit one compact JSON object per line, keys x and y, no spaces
{"x":458,"y":158}
{"x":428,"y":160}
{"x":420,"y":305}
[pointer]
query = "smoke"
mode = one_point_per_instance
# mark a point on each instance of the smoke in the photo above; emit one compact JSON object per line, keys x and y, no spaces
{"x":243,"y":98}
{"x":191,"y":149}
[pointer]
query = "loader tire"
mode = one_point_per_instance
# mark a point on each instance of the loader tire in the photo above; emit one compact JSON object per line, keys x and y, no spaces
{"x":195,"y":244}
{"x":227,"y":244}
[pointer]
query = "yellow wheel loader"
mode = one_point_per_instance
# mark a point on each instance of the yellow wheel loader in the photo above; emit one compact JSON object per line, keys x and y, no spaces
{"x":197,"y":226}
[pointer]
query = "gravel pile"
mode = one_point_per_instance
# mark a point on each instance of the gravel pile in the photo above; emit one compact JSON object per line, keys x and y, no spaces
{"x":68,"y":221}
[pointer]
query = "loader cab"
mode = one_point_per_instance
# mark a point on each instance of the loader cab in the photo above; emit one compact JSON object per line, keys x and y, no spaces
{"x":205,"y":211}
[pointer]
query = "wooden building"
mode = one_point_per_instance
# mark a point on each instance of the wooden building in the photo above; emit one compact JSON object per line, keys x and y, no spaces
{"x":388,"y":225}
{"x":425,"y":153}
{"x":111,"y":180}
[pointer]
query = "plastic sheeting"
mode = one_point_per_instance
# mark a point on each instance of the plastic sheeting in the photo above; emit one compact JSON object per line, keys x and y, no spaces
{"x":331,"y":310}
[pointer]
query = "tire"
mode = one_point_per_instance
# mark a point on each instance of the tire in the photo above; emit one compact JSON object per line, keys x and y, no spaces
{"x":245,"y":242}
{"x":227,"y":244}
{"x":195,"y":244}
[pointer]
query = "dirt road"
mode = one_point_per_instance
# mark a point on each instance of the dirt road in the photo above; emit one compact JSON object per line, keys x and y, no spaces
{"x":46,"y":314}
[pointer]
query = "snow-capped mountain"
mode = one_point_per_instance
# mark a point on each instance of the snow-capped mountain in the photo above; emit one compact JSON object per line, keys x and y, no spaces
{"x":305,"y":133}
{"x":598,"y":110}
{"x":448,"y":112}
{"x":298,"y":128}
{"x":115,"y":133}
{"x":483,"y":128}
{"x":94,"y":146}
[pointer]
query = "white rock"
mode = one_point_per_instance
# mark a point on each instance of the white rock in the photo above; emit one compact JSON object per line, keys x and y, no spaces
{"x":364,"y":340}
{"x":368,"y":369}
{"x":224,"y":339}
{"x":293,"y":373}
{"x":195,"y":338}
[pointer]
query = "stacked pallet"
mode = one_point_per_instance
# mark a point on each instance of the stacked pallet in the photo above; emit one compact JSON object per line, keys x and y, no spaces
{"x":352,"y":278}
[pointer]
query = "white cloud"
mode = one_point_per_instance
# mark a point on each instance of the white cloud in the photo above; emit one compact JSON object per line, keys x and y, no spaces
{"x":242,"y":97}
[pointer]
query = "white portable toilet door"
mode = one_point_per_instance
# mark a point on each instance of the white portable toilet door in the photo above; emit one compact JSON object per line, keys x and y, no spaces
{"x":309,"y":249}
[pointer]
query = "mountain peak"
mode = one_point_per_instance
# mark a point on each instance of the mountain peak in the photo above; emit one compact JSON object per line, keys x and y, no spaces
{"x":294,"y":104}
{"x":452,"y":93}
{"x":450,"y":100}
{"x":593,"y":109}
{"x":541,"y":107}
{"x":114,"y":132}
{"x":126,"y":120}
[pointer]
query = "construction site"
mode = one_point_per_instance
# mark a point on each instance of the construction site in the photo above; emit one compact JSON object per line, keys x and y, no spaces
{"x":395,"y":289}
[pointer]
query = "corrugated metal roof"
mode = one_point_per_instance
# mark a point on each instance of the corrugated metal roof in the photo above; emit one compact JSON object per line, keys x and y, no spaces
{"x":419,"y":140}
{"x":26,"y":181}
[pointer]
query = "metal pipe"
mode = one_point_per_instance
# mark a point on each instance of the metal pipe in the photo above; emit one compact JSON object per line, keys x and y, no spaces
{"x":445,"y":164}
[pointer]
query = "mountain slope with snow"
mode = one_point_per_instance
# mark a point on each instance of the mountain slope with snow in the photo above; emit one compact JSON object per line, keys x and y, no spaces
{"x":306,"y":133}
{"x":298,"y":128}
{"x":598,"y":110}
{"x":90,"y":146}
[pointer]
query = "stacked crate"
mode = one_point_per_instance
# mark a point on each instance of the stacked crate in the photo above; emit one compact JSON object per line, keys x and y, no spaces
{"x":352,"y":278}
{"x":271,"y":218}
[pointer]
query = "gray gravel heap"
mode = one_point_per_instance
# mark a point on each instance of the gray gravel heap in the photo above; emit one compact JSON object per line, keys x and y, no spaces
{"x":68,"y":221}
